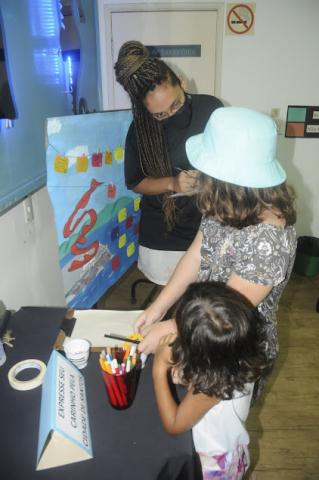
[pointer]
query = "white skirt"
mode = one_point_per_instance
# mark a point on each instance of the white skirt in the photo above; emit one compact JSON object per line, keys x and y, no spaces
{"x":157,"y":265}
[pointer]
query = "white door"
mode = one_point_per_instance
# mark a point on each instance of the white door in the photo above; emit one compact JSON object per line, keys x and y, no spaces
{"x":186,"y":40}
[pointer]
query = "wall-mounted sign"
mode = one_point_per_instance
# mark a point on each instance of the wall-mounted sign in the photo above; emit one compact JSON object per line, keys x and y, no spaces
{"x":302,"y":121}
{"x":240,"y":18}
{"x":167,"y":51}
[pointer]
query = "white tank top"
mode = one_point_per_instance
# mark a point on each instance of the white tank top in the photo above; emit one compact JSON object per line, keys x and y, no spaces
{"x":222,"y":428}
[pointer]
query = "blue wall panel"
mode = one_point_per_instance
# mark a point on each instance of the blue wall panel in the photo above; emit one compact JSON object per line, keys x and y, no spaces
{"x":31,"y":30}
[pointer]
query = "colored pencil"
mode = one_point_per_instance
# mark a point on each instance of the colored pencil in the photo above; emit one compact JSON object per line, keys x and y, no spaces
{"x":121,"y":337}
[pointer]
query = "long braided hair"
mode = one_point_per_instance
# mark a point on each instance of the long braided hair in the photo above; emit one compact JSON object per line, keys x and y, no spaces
{"x":138,"y":73}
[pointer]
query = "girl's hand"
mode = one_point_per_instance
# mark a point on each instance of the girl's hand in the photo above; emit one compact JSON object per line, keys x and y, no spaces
{"x":154,"y":335}
{"x":146,"y":319}
{"x":163,"y":354}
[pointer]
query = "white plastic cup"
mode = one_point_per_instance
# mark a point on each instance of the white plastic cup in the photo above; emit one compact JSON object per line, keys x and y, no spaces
{"x":77,"y":350}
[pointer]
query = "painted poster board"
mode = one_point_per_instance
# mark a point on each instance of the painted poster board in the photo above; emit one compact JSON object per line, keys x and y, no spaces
{"x":96,"y":217}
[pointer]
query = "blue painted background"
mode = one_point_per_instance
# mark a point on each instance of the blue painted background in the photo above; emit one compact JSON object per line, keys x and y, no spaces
{"x":115,"y":228}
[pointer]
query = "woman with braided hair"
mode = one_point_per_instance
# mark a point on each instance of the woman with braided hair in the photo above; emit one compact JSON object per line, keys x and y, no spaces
{"x":156,"y":165}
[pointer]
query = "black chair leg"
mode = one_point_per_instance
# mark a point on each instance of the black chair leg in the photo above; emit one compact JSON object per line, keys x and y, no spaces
{"x":149,"y":296}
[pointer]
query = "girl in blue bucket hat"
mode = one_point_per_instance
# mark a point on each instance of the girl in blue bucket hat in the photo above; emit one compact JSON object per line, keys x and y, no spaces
{"x":247,"y":237}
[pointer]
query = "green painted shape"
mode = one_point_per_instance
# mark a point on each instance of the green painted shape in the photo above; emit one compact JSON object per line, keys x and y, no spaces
{"x":297,"y":114}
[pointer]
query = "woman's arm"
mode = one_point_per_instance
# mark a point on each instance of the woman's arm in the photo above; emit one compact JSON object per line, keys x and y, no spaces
{"x":176,"y":418}
{"x":181,"y":183}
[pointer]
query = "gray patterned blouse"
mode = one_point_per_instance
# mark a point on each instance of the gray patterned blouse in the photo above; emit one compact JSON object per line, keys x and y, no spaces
{"x":262,"y":254}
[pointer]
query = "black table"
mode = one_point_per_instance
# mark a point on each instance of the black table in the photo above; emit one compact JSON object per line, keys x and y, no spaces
{"x":129,"y":444}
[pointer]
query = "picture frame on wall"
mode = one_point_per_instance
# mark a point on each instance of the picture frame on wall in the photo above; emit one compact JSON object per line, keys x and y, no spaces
{"x":302,"y":121}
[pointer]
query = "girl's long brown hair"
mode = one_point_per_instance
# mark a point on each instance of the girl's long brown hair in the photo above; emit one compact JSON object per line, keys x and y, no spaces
{"x":239,"y":206}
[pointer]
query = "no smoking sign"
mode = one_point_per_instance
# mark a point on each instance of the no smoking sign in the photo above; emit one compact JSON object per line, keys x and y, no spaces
{"x":240,"y":19}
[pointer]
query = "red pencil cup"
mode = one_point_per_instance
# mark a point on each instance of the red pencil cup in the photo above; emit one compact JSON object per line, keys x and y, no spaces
{"x":121,"y":389}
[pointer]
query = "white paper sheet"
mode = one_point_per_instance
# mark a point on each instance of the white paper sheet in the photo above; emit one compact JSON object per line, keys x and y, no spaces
{"x":93,"y":324}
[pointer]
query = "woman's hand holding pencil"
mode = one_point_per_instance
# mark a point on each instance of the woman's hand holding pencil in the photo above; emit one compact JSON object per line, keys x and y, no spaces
{"x":185,"y":183}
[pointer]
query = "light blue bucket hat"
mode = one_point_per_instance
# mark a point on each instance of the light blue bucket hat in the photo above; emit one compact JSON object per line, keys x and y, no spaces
{"x":238,"y":146}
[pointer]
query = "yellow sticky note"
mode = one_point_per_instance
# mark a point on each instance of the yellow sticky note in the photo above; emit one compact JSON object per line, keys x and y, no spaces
{"x":108,"y":157}
{"x":118,"y":153}
{"x":122,"y":215}
{"x":82,"y":164}
{"x":137,"y":202}
{"x":61,"y":164}
{"x":122,"y":240}
{"x":130,"y":249}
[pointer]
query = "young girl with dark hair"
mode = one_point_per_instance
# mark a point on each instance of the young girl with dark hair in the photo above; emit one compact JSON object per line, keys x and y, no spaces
{"x":156,"y":164}
{"x":218,"y":354}
{"x":247,"y":238}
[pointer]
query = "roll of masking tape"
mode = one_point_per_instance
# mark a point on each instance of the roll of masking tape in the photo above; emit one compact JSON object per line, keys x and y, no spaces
{"x":26,"y":384}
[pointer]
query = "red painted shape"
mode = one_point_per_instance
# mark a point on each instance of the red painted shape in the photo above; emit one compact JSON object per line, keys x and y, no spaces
{"x":115,"y":262}
{"x":111,"y":190}
{"x":129,"y":221}
{"x":81,"y":239}
{"x":97,"y":159}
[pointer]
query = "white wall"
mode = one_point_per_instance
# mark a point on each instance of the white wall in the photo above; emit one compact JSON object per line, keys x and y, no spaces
{"x":276,"y":67}
{"x":30,"y":273}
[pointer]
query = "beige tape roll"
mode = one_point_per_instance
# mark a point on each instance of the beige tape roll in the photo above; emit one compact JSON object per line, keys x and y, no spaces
{"x":26,"y":384}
